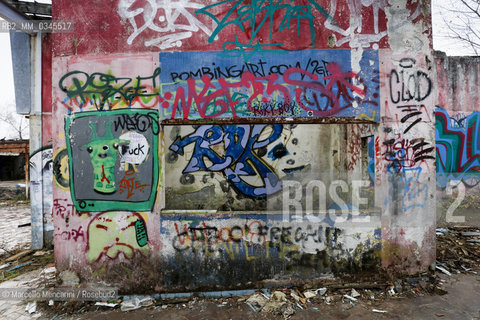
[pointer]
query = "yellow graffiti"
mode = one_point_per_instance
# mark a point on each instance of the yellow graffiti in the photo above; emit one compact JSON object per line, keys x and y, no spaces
{"x":61,"y":173}
{"x":366,"y":117}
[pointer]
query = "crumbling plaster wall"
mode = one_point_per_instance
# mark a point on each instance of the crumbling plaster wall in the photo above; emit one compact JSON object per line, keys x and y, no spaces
{"x":197,"y":148}
{"x":456,"y":136}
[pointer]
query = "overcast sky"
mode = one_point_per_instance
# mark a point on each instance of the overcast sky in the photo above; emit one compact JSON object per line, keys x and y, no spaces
{"x":6,"y":78}
{"x":441,"y":12}
{"x":7,"y":95}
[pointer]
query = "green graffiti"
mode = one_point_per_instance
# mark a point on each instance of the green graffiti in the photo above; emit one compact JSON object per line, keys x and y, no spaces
{"x":103,"y":153}
{"x":141,"y":233}
{"x":99,"y":146}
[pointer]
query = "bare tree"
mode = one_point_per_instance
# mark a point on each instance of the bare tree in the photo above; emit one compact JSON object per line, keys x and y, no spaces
{"x":15,"y":123}
{"x":462,"y":22}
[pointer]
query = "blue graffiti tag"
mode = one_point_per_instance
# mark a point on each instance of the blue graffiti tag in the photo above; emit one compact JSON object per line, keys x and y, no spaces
{"x":406,"y":181}
{"x":239,"y":157}
{"x":371,"y":158}
{"x":457,"y":148}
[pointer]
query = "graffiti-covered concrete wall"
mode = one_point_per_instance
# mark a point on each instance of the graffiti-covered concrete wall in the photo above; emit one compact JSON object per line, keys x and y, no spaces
{"x":457,"y":146}
{"x":206,"y":144}
{"x":41,"y":165}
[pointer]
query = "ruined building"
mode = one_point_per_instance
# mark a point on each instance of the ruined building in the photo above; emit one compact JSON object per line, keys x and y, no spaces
{"x":206,"y":144}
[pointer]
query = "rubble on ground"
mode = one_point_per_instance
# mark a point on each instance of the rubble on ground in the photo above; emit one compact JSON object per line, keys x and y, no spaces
{"x":280,"y":302}
{"x":25,"y":261}
{"x":458,"y":251}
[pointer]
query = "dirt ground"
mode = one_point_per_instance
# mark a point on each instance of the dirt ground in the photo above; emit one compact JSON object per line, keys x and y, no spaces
{"x":461,"y":302}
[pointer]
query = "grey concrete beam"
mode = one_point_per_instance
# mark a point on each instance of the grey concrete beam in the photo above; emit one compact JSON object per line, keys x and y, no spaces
{"x":22,"y":71}
{"x":9,"y":13}
{"x":32,"y":8}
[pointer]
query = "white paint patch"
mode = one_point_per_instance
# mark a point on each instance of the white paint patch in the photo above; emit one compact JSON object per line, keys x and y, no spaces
{"x":355,"y":57}
{"x":232,"y":235}
{"x":403,"y":34}
{"x":353,"y":34}
{"x":138,"y":148}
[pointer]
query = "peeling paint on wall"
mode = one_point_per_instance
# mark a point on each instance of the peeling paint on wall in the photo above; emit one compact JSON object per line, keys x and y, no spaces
{"x":307,"y":83}
{"x":259,"y":246}
{"x":456,"y":138}
{"x":190,"y":167}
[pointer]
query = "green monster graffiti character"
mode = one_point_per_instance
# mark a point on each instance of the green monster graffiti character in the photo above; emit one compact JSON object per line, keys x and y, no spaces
{"x":103,"y":153}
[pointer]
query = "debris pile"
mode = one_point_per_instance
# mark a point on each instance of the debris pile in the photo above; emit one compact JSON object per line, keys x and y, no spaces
{"x":280,"y":302}
{"x":286,"y":302}
{"x":458,"y":249}
{"x":275,"y":303}
{"x":25,"y":261}
{"x":46,"y":279}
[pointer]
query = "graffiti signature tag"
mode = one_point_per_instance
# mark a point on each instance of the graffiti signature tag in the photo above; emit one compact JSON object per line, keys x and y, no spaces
{"x":239,"y":159}
{"x":131,"y":184}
